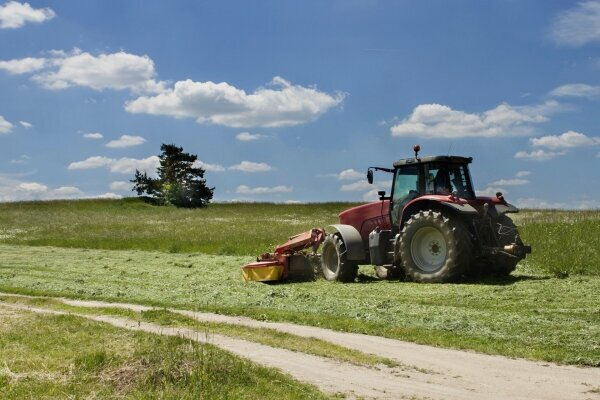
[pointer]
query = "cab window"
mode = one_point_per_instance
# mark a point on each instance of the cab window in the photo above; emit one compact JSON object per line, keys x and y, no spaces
{"x":405,"y":189}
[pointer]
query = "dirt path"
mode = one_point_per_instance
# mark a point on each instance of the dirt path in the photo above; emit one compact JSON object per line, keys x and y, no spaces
{"x":433,"y":372}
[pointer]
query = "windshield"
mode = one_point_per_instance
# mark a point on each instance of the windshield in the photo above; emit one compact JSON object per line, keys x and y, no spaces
{"x":444,"y":179}
{"x":406,"y":188}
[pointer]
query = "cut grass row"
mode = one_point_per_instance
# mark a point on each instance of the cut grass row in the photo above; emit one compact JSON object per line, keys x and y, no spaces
{"x":69,"y":357}
{"x":269,"y":337}
{"x":531,"y":315}
{"x":564,"y":242}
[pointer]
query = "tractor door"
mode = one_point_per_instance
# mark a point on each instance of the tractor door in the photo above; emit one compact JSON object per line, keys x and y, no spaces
{"x":404,"y":189}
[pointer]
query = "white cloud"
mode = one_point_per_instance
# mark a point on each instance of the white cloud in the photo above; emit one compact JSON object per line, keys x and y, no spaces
{"x":14,"y":14}
{"x":582,"y":204}
{"x":292,"y":202}
{"x":21,"y":160}
{"x":249,"y":166}
{"x":92,"y":162}
{"x":126,"y":141}
{"x":243,"y":189}
{"x":118,"y":71}
{"x":109,"y":195}
{"x":579,"y":25}
{"x":522,"y":174}
{"x":350,"y":174}
{"x":5,"y":126}
{"x":23,"y":65}
{"x":26,"y":124}
{"x":32,"y":187}
{"x":567,"y":140}
{"x":224,"y":104}
{"x":358,"y":186}
{"x":510,"y":182}
{"x":491,"y":191}
{"x":120,"y":186}
{"x":247,"y":136}
{"x":208,"y":167}
{"x":576,"y":90}
{"x":129,"y":165}
{"x":93,"y":135}
{"x":66,"y":192}
{"x":371,"y":195}
{"x":538,"y":155}
{"x":440,"y":121}
{"x":122,"y":165}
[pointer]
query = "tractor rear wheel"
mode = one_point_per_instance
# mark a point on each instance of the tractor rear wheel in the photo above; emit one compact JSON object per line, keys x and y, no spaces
{"x":334,"y":264}
{"x":434,"y":248}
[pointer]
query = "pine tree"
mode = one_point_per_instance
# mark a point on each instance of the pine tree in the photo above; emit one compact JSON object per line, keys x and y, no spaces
{"x":179,"y":182}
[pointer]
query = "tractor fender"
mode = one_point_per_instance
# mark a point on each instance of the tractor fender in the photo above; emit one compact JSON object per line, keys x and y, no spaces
{"x":506,"y":208}
{"x":355,"y":249}
{"x":429,"y":202}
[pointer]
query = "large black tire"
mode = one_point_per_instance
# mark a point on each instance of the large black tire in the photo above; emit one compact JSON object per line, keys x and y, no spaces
{"x":507,"y":233}
{"x":434,"y":248}
{"x":334,"y":264}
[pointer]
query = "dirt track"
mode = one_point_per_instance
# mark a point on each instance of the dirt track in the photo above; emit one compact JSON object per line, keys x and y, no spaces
{"x":429,"y":372}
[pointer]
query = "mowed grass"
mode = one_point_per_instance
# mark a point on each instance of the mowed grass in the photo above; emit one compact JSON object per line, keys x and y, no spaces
{"x":70,"y":357}
{"x":531,"y":315}
{"x":564,"y":242}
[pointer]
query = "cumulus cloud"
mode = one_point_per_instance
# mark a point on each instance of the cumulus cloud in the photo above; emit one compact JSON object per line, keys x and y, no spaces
{"x":536,"y":203}
{"x":14,"y":14}
{"x":249,"y":166}
{"x":5,"y":126}
{"x":126,"y":141}
{"x":109,"y":195}
{"x":21,"y":160}
{"x":120,"y":186}
{"x":510,"y":182}
{"x":576,"y":90}
{"x":26,"y":124}
{"x":23,"y":65}
{"x":93,"y":135}
{"x":15,"y":190}
{"x":243,"y":189}
{"x":567,"y":140}
{"x":491,"y":191}
{"x":122,"y":165}
{"x":350,"y":174}
{"x":247,"y":136}
{"x":209,"y":167}
{"x":522,"y":174}
{"x":223,"y":104}
{"x":538,"y":155}
{"x":118,"y":71}
{"x":358,"y":186}
{"x":440,"y":121}
{"x":577,"y":26}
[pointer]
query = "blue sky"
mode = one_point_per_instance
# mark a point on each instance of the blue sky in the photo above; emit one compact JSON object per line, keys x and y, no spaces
{"x":292,"y":101}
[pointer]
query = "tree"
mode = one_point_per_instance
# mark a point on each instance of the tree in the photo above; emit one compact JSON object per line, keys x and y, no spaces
{"x":179,"y":182}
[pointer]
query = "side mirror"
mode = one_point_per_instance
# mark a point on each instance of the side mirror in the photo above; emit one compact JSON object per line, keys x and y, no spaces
{"x":370,"y":176}
{"x":381,"y":194}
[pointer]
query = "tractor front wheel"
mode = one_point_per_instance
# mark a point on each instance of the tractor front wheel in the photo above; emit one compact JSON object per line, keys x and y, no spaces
{"x":334,"y":264}
{"x":434,"y":248}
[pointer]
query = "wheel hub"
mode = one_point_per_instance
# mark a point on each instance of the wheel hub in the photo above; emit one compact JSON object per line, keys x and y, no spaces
{"x":428,"y":248}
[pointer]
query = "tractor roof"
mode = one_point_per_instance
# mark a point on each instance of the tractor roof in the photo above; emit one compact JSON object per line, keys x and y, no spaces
{"x":429,"y":159}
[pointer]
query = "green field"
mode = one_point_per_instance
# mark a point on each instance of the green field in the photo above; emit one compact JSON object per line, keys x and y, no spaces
{"x":549,"y":309}
{"x":47,"y":357}
{"x":564,"y":242}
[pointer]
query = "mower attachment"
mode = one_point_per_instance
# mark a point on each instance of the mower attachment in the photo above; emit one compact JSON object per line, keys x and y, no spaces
{"x":288,"y":261}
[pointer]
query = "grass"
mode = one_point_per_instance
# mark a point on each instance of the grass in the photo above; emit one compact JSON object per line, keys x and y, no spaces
{"x":564,"y":242}
{"x":531,"y":315}
{"x":269,"y":337}
{"x":69,"y":357}
{"x":222,"y":229}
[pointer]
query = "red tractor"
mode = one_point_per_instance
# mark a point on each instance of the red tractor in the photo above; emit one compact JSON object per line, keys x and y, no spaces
{"x":431,"y":228}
